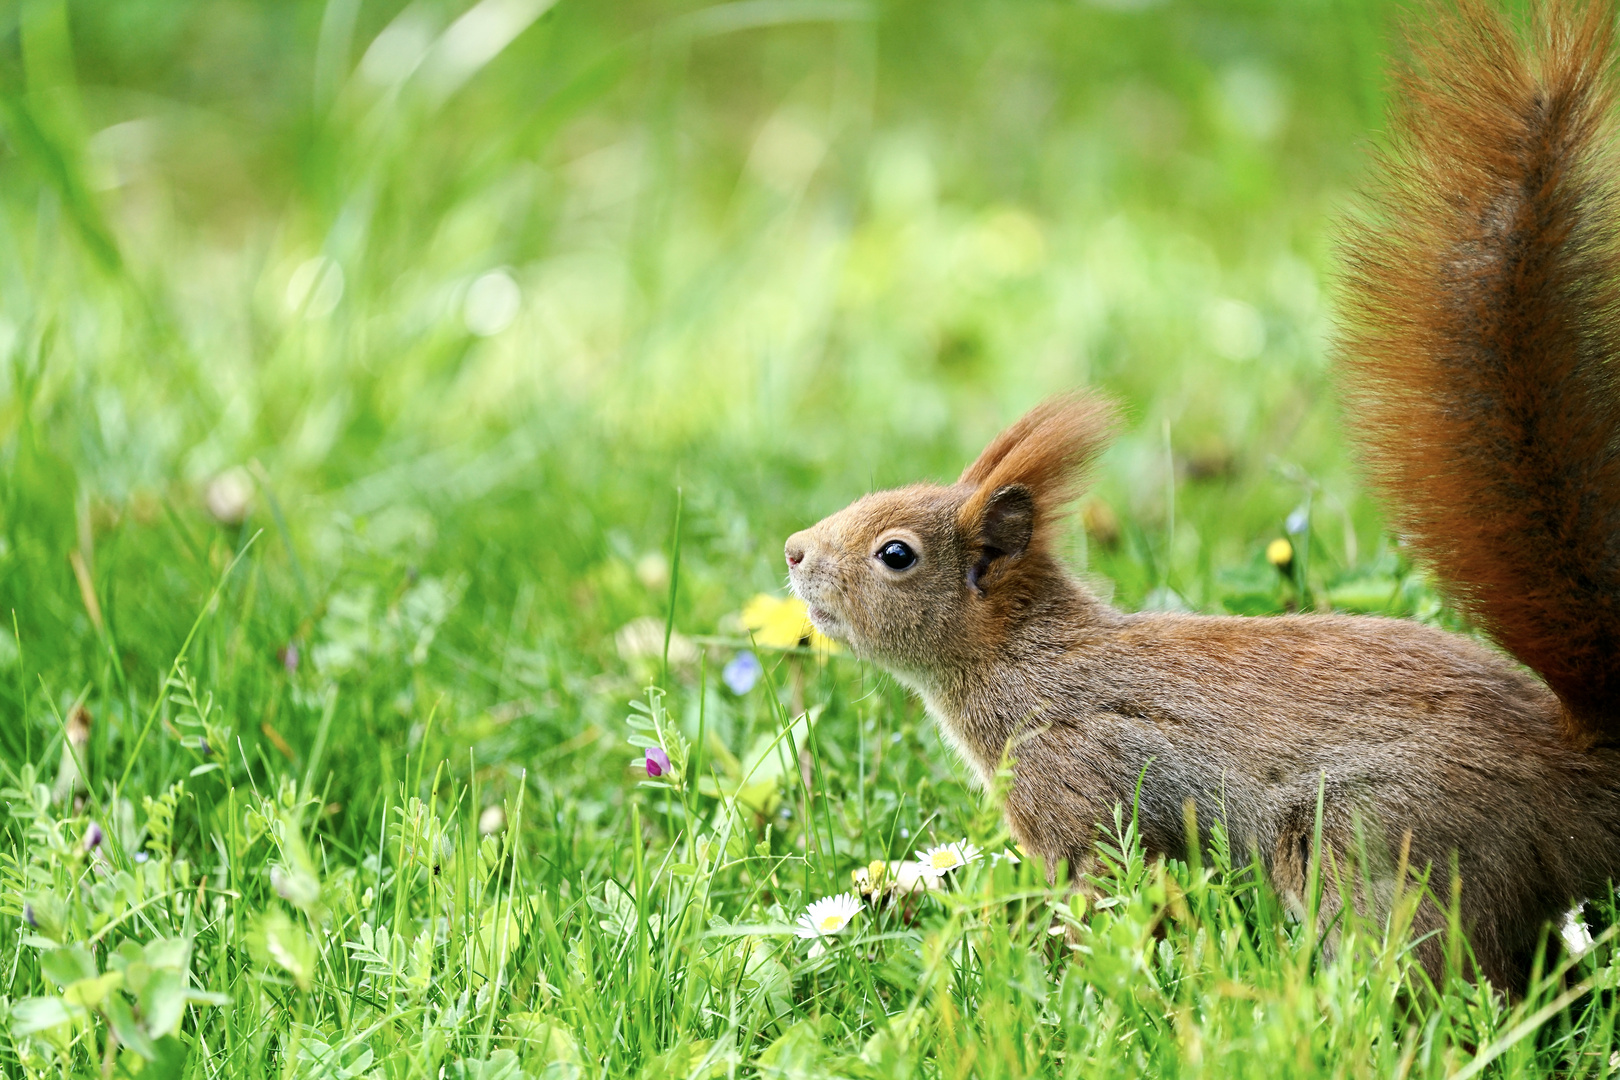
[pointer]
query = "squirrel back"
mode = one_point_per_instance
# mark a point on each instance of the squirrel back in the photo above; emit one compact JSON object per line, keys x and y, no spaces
{"x":1481,"y":337}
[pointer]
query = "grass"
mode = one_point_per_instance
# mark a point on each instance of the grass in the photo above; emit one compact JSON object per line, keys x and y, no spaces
{"x":359,"y":364}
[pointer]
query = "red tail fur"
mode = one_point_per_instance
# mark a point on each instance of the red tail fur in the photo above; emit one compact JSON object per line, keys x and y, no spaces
{"x":1482,"y":314}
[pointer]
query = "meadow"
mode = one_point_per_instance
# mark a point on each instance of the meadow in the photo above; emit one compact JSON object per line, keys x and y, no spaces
{"x":402,"y":408}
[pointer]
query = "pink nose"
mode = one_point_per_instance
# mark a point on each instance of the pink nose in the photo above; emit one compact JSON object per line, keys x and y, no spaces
{"x":795,"y":555}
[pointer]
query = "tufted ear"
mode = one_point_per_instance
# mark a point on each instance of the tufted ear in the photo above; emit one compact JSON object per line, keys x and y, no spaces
{"x":1029,"y":471}
{"x":1005,"y":528}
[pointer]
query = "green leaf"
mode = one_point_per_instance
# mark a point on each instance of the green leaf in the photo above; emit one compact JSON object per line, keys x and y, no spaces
{"x":170,"y":1062}
{"x":90,"y":992}
{"x":699,"y":1060}
{"x":136,"y":976}
{"x":164,"y":1001}
{"x":171,"y":953}
{"x":68,"y":964}
{"x":549,"y":1043}
{"x":130,"y":1033}
{"x":49,"y":915}
{"x":280,"y":944}
{"x":798,"y":1052}
{"x":206,"y":997}
{"x":39,"y":1013}
{"x":501,"y":1065}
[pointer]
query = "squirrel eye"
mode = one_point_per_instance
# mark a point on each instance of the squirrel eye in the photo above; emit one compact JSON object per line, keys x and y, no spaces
{"x":897,"y":555}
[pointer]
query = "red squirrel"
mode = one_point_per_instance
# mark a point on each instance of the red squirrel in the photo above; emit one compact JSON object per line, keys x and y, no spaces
{"x":1478,"y":344}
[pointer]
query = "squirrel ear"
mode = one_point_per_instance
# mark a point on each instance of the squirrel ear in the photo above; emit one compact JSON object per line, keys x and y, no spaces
{"x":1006,"y":526}
{"x":1045,"y":450}
{"x":1023,"y":478}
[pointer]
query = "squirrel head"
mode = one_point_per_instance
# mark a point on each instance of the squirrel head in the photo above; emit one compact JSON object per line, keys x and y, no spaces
{"x":932,"y":576}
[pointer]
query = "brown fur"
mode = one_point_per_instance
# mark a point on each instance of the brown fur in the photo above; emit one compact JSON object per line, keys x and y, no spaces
{"x":1477,"y":364}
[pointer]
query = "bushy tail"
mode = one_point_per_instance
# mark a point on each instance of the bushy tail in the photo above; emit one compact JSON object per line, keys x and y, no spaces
{"x":1481,"y":342}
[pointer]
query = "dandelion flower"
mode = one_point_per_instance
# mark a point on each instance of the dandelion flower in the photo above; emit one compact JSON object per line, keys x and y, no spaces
{"x":880,"y":879}
{"x":947,"y":857}
{"x":866,"y":878}
{"x":828,"y":916}
{"x":782,"y":623}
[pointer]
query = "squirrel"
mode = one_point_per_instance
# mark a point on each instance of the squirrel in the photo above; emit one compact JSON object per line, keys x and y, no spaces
{"x":1477,"y":351}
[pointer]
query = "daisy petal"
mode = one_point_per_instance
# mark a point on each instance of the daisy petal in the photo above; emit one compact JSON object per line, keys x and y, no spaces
{"x":828,"y":916}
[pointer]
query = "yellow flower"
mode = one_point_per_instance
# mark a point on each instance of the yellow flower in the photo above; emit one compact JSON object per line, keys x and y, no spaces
{"x":869,"y":878}
{"x":782,"y":623}
{"x":1279,"y":552}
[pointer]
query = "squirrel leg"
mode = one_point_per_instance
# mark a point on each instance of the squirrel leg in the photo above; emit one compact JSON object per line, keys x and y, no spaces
{"x":1355,"y":881}
{"x":1061,"y":834}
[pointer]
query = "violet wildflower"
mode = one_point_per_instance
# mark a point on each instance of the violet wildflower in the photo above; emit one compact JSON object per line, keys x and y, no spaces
{"x":203,"y":748}
{"x":657,"y":761}
{"x":29,"y":917}
{"x":742,"y":673}
{"x":289,"y":657}
{"x":93,"y":836}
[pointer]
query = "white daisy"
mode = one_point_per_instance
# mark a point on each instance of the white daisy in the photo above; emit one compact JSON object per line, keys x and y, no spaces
{"x":1004,"y":856}
{"x":880,"y":879}
{"x":947,"y":857}
{"x":828,"y":916}
{"x":911,"y":876}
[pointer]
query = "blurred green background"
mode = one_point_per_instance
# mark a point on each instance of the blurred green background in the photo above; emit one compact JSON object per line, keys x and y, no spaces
{"x":444,"y":304}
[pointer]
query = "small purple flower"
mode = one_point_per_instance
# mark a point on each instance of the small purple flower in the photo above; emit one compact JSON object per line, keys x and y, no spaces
{"x":657,"y":761}
{"x":1297,"y":521}
{"x":289,"y":658}
{"x":93,"y":837}
{"x":203,"y":747}
{"x":29,"y":917}
{"x":742,"y":673}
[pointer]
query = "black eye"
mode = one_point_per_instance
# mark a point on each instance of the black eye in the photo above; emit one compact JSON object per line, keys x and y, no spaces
{"x":897,"y":556}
